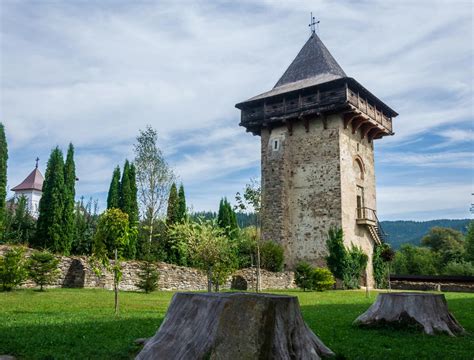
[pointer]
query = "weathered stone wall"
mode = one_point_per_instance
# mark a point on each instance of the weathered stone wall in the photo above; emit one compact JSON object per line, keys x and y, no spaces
{"x":432,"y":286}
{"x":356,"y":153}
{"x":309,"y":184}
{"x":76,"y":271}
{"x":301,"y":189}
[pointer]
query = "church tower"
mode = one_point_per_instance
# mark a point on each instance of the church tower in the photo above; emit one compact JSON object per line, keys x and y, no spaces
{"x":317,"y":129}
{"x":32,"y":189}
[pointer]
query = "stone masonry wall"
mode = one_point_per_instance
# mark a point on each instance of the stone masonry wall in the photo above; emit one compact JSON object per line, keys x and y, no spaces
{"x":309,"y":184}
{"x":301,"y":189}
{"x":76,"y":271}
{"x":355,"y":151}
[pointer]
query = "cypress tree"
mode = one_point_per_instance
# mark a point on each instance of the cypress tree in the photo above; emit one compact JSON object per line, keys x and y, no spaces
{"x":126,"y":205}
{"x":50,"y":232}
{"x":69,"y":199}
{"x":181,"y":204}
{"x":172,"y":212}
{"x":3,"y":173}
{"x":133,"y":215}
{"x":125,"y":191}
{"x":226,"y":218}
{"x":113,"y":197}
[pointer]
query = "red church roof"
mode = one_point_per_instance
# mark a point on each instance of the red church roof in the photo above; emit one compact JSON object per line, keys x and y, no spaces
{"x":34,"y":181}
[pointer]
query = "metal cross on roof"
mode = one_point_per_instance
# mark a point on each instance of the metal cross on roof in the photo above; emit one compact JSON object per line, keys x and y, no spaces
{"x":37,"y":159}
{"x":312,"y":24}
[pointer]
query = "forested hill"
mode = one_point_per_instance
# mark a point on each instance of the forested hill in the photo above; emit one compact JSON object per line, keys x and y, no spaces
{"x":400,"y":231}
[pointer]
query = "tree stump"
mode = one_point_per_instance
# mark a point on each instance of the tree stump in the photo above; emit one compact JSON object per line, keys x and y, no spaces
{"x":429,"y":311}
{"x":233,"y":326}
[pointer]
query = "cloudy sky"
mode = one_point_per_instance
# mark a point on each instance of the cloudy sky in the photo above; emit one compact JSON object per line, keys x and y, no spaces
{"x":94,"y":72}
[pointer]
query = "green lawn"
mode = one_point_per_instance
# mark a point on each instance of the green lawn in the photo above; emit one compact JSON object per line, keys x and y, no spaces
{"x":79,"y":324}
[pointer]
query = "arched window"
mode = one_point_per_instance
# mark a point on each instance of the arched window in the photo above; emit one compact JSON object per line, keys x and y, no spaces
{"x":359,"y":168}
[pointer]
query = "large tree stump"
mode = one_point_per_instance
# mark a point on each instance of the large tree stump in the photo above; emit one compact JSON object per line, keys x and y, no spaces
{"x":429,"y":311}
{"x":233,"y":326}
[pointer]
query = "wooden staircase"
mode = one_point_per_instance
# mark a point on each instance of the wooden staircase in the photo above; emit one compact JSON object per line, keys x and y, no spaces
{"x":368,"y":217}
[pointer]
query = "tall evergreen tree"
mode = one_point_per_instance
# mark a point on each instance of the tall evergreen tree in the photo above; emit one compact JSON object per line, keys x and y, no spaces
{"x":3,"y":173}
{"x":226,"y":217}
{"x":181,"y":204}
{"x":50,"y":223}
{"x":172,"y":215}
{"x":69,"y":199}
{"x":126,"y":205}
{"x":113,"y":197}
{"x":133,"y":215}
{"x":125,"y":191}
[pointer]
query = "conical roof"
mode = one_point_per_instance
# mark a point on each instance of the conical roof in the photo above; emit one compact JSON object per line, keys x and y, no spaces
{"x":34,"y":181}
{"x":312,"y":66}
{"x":313,"y":60}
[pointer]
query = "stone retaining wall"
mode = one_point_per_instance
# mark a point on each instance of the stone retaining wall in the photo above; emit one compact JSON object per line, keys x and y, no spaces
{"x":76,"y":271}
{"x":432,"y":286}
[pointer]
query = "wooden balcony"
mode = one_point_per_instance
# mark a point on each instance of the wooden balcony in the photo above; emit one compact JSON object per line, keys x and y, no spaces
{"x":366,"y":216}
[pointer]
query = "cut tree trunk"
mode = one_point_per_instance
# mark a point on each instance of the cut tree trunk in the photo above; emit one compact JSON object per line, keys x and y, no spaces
{"x":234,"y":326}
{"x":429,"y":311}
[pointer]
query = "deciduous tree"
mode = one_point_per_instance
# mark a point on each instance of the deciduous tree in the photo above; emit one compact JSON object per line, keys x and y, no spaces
{"x":154,"y":178}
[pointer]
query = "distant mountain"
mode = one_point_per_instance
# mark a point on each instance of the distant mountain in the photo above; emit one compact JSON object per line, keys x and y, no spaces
{"x":401,"y":232}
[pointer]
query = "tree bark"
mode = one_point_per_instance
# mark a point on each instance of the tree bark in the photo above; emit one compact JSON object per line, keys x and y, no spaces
{"x":429,"y":311}
{"x":231,"y":326}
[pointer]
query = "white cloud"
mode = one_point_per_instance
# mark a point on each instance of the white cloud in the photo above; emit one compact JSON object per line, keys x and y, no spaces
{"x":94,"y":74}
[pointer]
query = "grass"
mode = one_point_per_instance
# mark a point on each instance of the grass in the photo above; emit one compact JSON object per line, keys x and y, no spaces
{"x":79,"y":324}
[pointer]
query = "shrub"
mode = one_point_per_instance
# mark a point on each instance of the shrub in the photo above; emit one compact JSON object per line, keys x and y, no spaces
{"x":271,"y":255}
{"x":12,"y":269}
{"x":322,"y":279}
{"x":356,"y":262}
{"x":303,"y":276}
{"x":307,"y":277}
{"x":337,"y":257}
{"x":461,"y":268}
{"x":42,"y":268}
{"x":383,"y":255}
{"x":149,"y":276}
{"x":414,"y":260}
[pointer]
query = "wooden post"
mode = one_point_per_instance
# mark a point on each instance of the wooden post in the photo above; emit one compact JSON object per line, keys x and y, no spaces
{"x":116,"y":284}
{"x":366,"y":283}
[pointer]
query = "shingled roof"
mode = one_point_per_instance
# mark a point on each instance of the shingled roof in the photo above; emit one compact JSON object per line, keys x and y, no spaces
{"x":312,"y":66}
{"x":34,"y":181}
{"x":313,"y":60}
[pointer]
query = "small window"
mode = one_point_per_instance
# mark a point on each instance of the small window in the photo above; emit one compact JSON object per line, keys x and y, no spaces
{"x":275,"y":144}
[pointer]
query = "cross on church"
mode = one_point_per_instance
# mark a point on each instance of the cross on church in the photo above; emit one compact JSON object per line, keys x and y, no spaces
{"x":312,"y":24}
{"x":37,"y":159}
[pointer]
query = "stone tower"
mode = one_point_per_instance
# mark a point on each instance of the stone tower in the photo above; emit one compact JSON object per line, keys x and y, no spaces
{"x":317,"y":129}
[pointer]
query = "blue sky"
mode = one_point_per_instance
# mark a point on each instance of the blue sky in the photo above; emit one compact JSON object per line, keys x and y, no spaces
{"x":95,"y":72}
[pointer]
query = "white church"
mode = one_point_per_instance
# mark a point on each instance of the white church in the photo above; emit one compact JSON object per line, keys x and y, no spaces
{"x":32,"y":189}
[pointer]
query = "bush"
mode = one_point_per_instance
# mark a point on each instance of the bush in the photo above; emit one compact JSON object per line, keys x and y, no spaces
{"x":149,"y":276}
{"x":356,"y":263}
{"x":12,"y":269}
{"x":383,"y":255}
{"x":414,"y":260}
{"x":462,"y":268}
{"x":337,"y":257}
{"x":307,"y":277}
{"x":271,"y":256}
{"x":322,"y":279}
{"x":42,"y":268}
{"x":303,"y":276}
